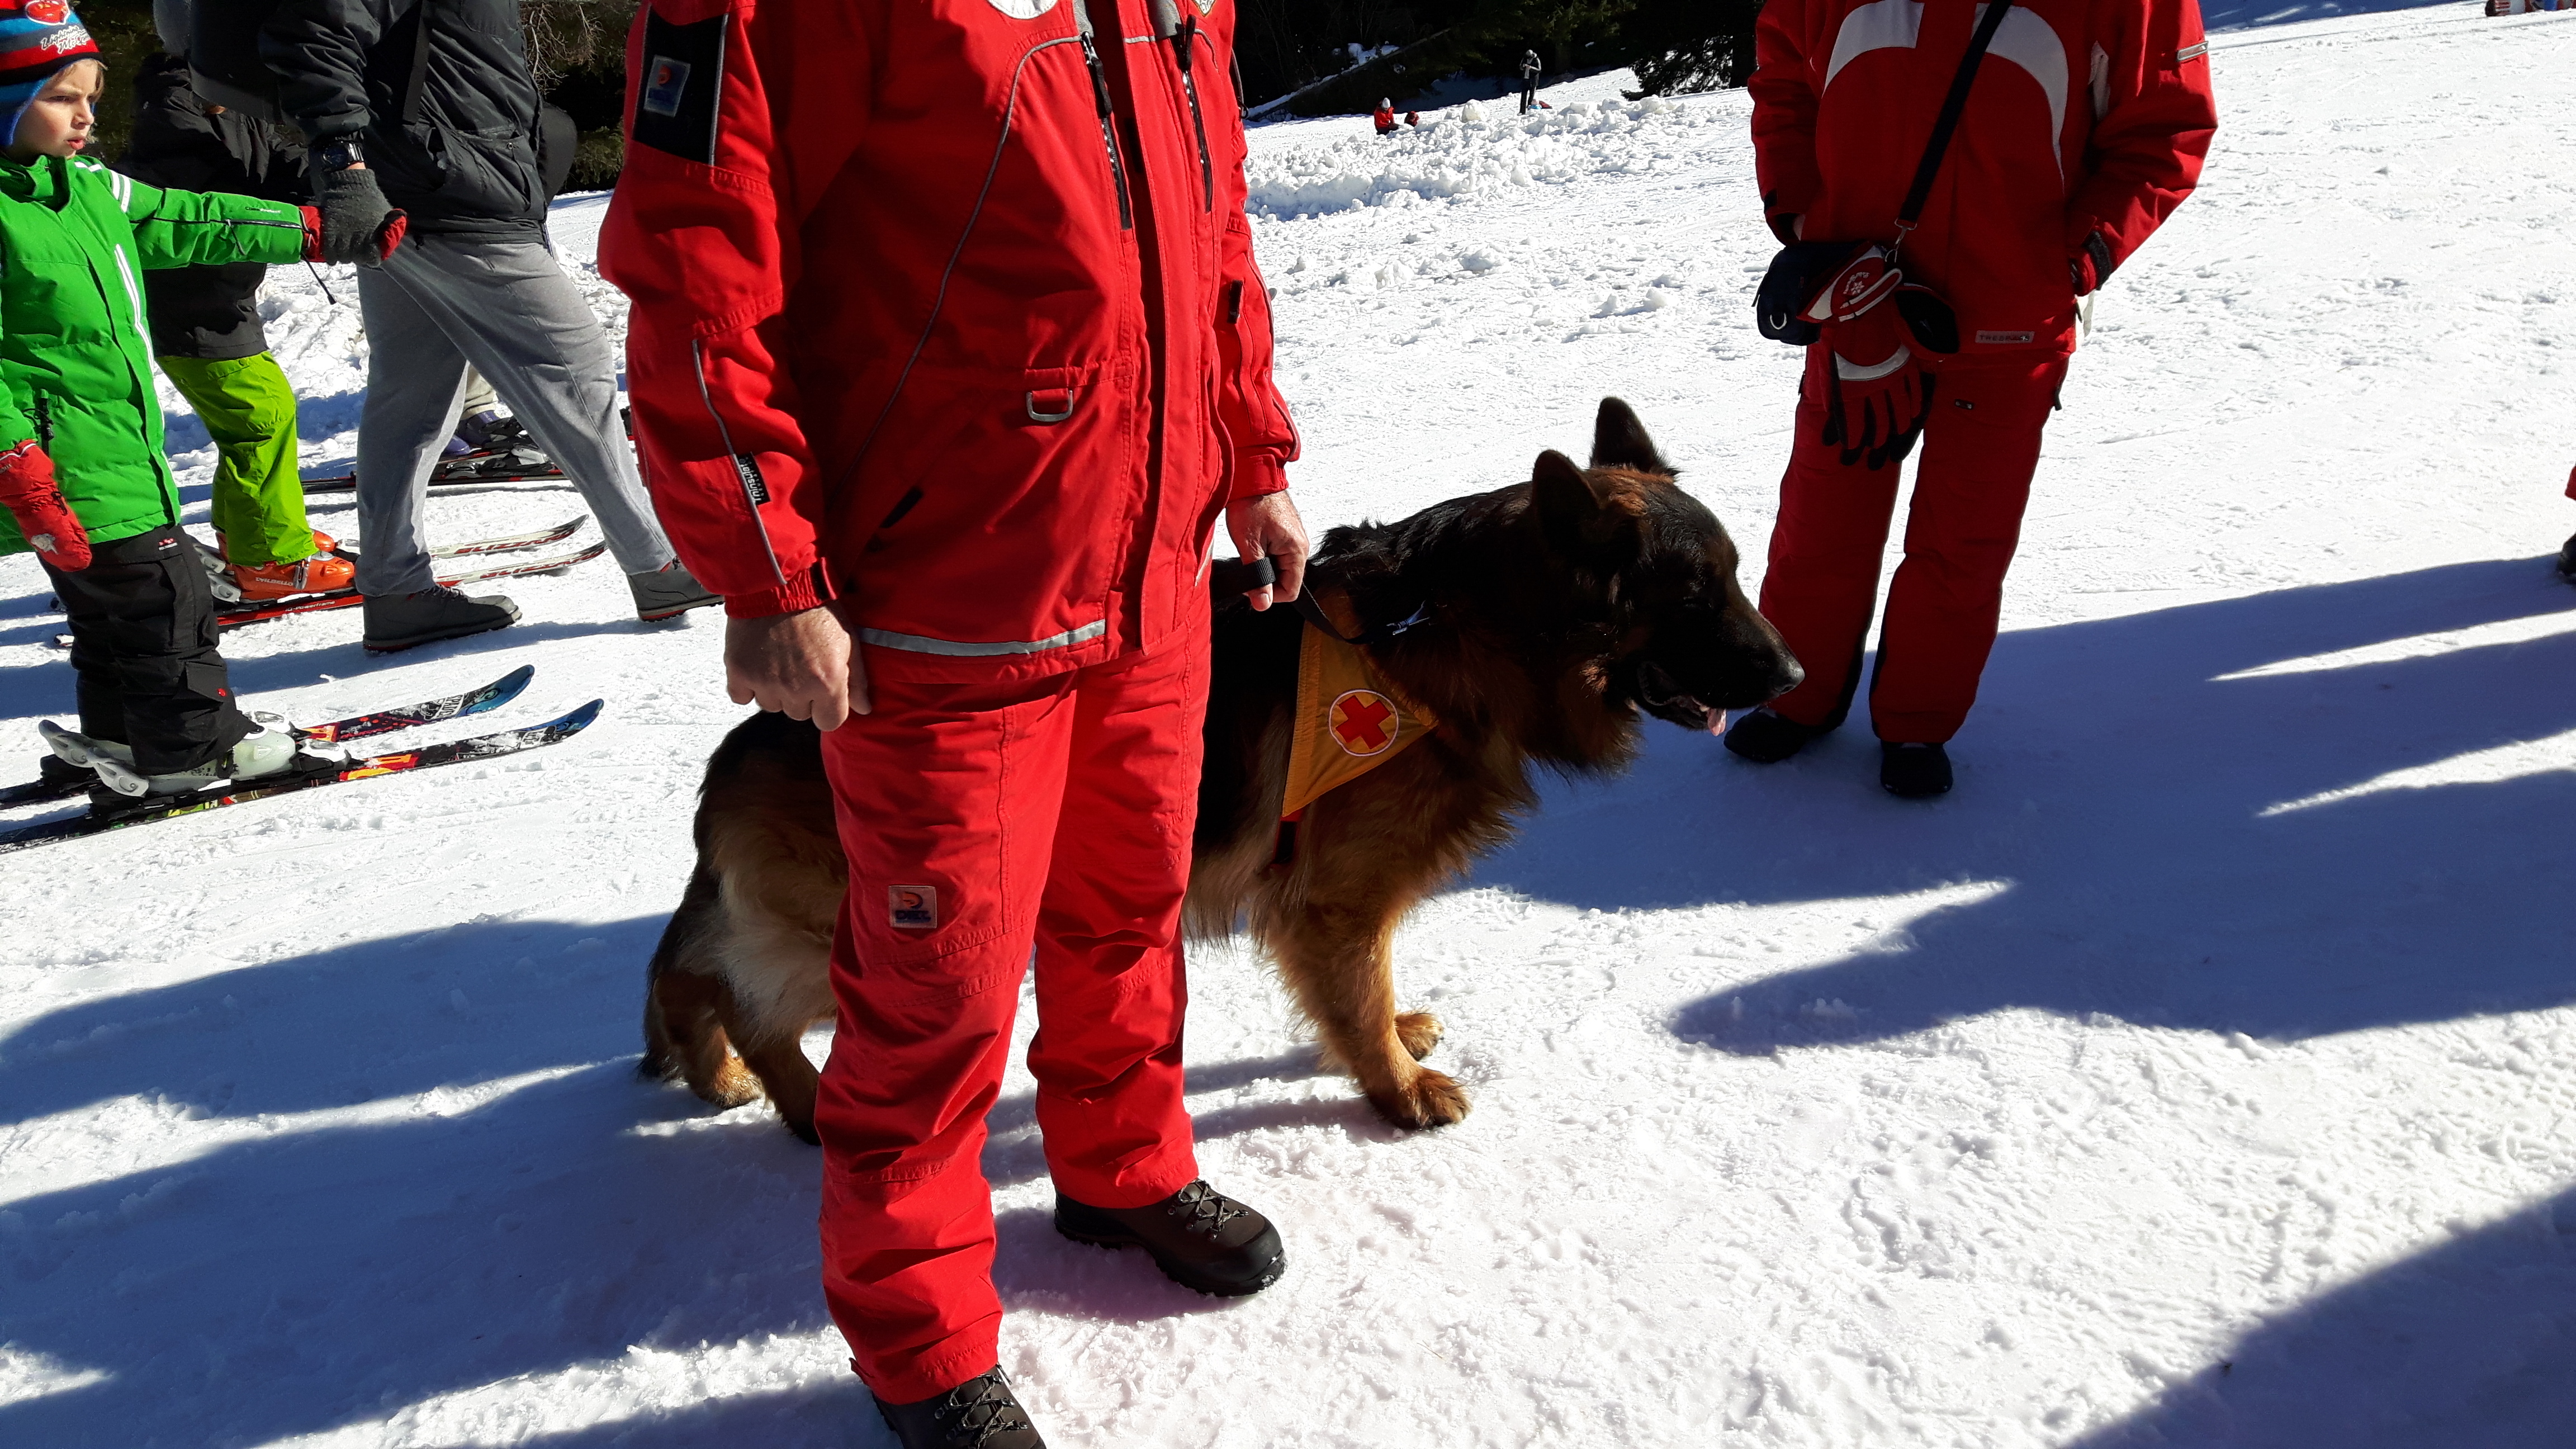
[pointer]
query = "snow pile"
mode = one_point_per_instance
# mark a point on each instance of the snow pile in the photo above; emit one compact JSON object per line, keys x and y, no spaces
{"x":1461,"y":153}
{"x":2198,"y":1075}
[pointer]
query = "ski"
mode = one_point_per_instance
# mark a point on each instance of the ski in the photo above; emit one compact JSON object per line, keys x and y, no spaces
{"x":453,"y":752}
{"x":348,"y":598}
{"x":356,"y":727}
{"x":506,"y":543}
{"x":228,"y":594}
{"x":470,"y":471}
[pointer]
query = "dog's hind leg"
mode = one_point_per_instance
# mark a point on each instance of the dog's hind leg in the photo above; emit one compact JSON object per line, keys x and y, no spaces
{"x":684,"y":1034}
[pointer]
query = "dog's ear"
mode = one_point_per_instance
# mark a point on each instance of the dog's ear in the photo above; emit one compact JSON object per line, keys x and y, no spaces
{"x":1563,"y":501}
{"x":1620,"y":441}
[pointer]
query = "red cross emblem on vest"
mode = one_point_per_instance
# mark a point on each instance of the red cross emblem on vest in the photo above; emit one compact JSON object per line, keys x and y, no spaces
{"x":1363,"y":722}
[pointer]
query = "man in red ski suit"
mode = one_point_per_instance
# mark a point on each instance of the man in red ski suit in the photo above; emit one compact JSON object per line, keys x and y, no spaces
{"x":2085,"y":126}
{"x":948,"y":355}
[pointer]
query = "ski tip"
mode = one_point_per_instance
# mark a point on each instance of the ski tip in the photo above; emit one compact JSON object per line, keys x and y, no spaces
{"x":580,"y":718}
{"x":517,"y":679}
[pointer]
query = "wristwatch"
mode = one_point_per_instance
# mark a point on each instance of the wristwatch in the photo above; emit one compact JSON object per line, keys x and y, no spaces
{"x":337,"y":154}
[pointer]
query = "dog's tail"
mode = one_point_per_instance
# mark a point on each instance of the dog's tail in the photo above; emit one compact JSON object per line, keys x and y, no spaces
{"x":663,"y":1051}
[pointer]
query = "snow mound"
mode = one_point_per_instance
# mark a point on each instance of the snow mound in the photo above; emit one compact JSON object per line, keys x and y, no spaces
{"x":1461,"y":152}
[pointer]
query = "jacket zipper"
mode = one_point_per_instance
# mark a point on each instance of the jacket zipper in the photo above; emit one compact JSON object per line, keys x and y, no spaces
{"x":1185,"y":44}
{"x":1108,"y":131}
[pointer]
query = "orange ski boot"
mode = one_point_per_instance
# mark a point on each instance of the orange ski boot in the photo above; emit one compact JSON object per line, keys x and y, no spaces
{"x":321,"y":573}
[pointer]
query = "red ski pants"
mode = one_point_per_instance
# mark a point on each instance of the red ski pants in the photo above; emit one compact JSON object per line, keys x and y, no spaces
{"x":983,"y":822}
{"x":1980,"y":447}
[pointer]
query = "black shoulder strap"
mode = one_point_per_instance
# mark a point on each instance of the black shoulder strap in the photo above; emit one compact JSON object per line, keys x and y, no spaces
{"x":419,"y":81}
{"x":1948,"y":120}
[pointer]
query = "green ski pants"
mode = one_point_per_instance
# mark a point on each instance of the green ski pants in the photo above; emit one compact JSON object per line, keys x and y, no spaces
{"x":248,"y":408}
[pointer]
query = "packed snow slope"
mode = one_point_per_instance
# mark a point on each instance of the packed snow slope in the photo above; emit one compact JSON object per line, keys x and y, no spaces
{"x":2202,"y":1072}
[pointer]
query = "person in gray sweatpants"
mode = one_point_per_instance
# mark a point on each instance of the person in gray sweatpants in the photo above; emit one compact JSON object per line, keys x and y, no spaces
{"x":429,"y":108}
{"x":502,"y":304}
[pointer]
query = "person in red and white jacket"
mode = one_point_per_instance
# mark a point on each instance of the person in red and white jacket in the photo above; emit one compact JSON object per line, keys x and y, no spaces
{"x":949,"y":357}
{"x":2085,"y":127}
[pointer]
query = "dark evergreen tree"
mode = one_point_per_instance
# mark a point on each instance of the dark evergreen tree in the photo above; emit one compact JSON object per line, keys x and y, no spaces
{"x":1680,"y":46}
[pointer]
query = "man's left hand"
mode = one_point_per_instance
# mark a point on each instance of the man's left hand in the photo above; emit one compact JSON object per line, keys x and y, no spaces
{"x":1268,"y":527}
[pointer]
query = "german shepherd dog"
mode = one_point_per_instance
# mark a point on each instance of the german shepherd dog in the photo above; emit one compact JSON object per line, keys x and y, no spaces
{"x":1539,"y":619}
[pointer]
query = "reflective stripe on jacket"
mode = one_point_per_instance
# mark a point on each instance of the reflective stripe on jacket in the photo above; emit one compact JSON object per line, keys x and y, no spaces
{"x":947,"y":308}
{"x":75,"y":239}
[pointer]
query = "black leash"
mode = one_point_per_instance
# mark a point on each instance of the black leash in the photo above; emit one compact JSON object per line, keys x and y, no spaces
{"x":1231,"y":576}
{"x":1948,"y":120}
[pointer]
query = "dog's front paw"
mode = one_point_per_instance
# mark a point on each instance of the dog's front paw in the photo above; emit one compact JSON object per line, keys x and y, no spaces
{"x":1420,"y":1031}
{"x":1431,"y":1099}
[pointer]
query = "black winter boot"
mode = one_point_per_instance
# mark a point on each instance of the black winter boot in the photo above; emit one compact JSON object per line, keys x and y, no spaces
{"x":1766,"y":738}
{"x":402,"y":621}
{"x":977,"y":1414}
{"x":1200,"y":1238}
{"x":1913,"y":772}
{"x":2567,"y":558}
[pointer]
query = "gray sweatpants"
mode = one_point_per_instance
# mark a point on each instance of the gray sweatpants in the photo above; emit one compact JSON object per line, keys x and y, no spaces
{"x":503,"y":305}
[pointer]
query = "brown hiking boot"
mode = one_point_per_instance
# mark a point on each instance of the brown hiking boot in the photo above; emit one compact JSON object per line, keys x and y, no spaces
{"x":1200,"y":1238}
{"x":977,"y":1414}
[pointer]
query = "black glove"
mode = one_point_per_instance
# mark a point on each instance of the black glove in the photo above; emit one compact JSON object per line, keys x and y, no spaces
{"x":358,"y":224}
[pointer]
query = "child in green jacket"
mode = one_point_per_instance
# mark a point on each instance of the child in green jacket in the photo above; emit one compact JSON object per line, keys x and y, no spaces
{"x":83,"y":479}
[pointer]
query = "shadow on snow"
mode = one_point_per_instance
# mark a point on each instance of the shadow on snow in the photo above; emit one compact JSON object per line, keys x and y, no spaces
{"x":326,"y":1272}
{"x":2111,"y":798}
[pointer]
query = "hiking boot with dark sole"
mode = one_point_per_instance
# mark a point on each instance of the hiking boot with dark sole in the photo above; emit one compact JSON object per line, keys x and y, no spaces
{"x":1200,"y":1238}
{"x":406,"y":621}
{"x":2567,"y":558}
{"x":977,"y":1414}
{"x":1766,"y":738}
{"x":1914,"y":772}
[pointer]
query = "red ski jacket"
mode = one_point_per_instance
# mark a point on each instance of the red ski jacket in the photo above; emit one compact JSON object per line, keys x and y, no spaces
{"x":946,"y":309}
{"x":2087,"y":124}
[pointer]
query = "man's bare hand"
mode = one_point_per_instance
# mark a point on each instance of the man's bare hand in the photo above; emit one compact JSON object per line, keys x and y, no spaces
{"x":1268,"y":527}
{"x":802,"y":665}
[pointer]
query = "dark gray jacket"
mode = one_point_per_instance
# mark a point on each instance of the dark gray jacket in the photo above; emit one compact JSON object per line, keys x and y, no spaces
{"x":452,"y":135}
{"x":212,"y":311}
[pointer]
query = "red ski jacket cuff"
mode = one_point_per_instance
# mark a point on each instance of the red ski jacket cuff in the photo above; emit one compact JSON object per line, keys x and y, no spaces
{"x":1257,"y":474}
{"x":807,"y":590}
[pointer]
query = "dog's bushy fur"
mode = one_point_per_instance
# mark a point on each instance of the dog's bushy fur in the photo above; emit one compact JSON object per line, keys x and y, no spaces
{"x":1553,"y":611}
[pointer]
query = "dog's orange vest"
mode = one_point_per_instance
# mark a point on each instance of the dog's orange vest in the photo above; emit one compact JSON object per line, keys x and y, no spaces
{"x":1349,"y":720}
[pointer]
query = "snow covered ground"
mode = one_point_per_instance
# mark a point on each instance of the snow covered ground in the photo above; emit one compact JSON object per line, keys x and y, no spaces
{"x":2203,"y":1072}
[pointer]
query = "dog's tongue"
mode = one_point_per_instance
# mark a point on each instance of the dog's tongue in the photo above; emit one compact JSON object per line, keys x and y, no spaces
{"x":1717,"y":722}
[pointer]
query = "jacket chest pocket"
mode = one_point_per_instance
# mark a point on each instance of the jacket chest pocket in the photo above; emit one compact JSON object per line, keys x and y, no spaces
{"x":998,"y":509}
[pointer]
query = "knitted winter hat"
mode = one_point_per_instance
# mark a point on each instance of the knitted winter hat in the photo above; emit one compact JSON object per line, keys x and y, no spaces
{"x":37,"y":39}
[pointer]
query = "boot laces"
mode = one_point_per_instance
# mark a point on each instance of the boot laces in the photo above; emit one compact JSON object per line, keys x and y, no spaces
{"x":974,"y":1412}
{"x":1202,"y":1209}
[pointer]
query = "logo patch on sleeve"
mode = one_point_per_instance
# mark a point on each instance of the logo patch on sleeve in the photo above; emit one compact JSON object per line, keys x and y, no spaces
{"x":665,"y":81}
{"x":913,"y":907}
{"x":678,"y":98}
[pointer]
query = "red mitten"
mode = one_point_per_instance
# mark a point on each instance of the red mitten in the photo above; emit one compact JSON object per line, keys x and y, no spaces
{"x":1877,"y":393}
{"x":28,"y":491}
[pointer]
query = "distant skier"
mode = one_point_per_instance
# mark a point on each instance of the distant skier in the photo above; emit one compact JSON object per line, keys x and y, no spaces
{"x":156,"y":705}
{"x":1529,"y":80}
{"x":1385,"y":118}
{"x":2046,"y":187}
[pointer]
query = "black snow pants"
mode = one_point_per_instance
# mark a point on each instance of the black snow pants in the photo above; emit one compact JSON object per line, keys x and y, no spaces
{"x":143,"y":644}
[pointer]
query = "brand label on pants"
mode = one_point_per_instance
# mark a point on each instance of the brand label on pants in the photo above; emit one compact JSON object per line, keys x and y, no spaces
{"x":913,"y":907}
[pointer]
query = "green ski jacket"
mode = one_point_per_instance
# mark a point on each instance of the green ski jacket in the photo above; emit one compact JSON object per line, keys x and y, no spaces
{"x":75,"y":352}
